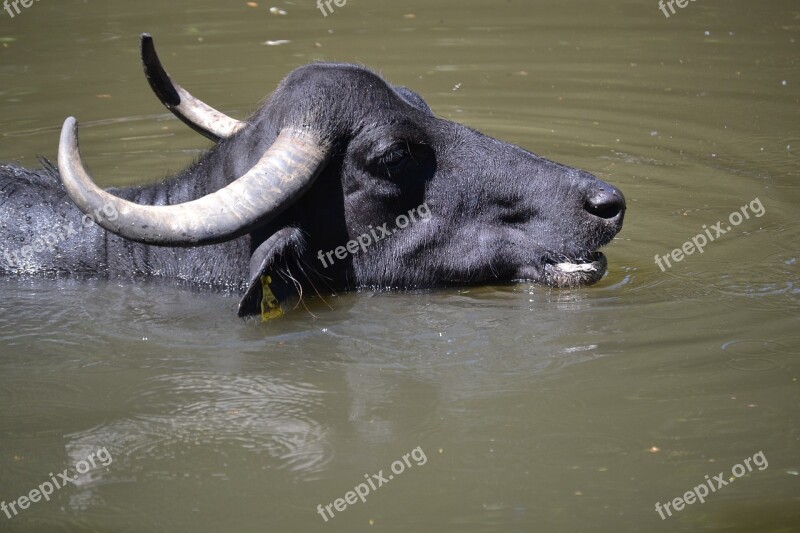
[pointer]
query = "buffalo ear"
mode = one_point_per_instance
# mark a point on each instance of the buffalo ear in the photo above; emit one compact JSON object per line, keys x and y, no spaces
{"x":267,"y":287}
{"x":414,"y":99}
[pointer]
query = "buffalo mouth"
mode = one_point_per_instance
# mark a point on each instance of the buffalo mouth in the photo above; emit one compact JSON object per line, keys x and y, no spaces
{"x":563,"y":271}
{"x":575,"y":271}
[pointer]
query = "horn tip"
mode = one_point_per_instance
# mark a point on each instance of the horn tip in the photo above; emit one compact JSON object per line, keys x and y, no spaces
{"x":147,"y":46}
{"x":156,"y":75}
{"x":68,"y":141}
{"x":70,"y":124}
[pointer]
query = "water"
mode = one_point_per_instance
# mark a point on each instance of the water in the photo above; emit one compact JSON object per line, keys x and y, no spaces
{"x":535,"y":409}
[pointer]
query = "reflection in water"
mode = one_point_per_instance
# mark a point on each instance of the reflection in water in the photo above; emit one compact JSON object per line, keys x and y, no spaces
{"x":174,"y":414}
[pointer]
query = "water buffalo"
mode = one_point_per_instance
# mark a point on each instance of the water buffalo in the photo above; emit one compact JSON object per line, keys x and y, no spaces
{"x":338,"y":181}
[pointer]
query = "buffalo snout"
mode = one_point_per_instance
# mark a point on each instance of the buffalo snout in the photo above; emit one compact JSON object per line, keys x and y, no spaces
{"x":606,"y":202}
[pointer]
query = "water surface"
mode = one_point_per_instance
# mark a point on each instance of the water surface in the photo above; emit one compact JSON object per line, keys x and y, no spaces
{"x":536,"y":409}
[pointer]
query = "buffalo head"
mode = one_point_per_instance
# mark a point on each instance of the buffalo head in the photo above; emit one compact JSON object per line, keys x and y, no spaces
{"x":335,"y":154}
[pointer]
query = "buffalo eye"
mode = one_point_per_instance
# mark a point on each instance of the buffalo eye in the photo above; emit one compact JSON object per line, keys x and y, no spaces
{"x":393,"y":159}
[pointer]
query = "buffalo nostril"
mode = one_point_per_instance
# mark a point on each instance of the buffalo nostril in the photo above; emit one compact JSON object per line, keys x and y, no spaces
{"x":607,"y":202}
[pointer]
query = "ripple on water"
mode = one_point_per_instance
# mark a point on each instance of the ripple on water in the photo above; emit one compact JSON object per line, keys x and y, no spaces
{"x":753,"y":364}
{"x":667,"y":296}
{"x":186,"y":413}
{"x":771,"y":283}
{"x":791,"y":345}
{"x":755,"y":355}
{"x":755,"y":348}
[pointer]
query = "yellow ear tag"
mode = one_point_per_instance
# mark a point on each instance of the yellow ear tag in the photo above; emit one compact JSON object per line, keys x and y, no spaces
{"x":270,"y":308}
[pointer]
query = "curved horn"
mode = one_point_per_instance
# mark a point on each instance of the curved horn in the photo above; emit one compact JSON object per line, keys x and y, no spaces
{"x":285,"y":171}
{"x":202,"y":118}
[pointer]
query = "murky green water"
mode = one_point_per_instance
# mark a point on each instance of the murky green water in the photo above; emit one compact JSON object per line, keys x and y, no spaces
{"x":535,"y":409}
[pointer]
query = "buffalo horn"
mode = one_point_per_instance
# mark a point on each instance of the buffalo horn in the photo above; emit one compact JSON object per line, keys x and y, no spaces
{"x":285,"y":171}
{"x":199,"y":116}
